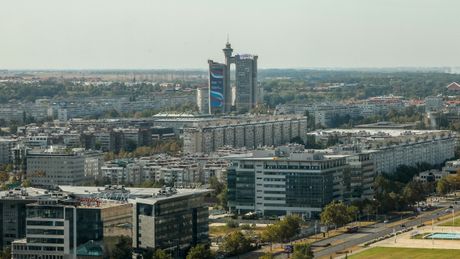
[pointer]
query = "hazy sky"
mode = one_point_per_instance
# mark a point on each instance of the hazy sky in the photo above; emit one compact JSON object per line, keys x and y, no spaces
{"x":44,"y":34}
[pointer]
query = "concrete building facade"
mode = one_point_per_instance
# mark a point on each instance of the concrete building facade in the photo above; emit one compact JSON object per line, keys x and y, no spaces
{"x":251,"y":134}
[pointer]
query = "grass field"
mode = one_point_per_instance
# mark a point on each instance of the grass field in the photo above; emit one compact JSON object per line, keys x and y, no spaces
{"x":449,"y":223}
{"x":223,"y":230}
{"x":406,"y":253}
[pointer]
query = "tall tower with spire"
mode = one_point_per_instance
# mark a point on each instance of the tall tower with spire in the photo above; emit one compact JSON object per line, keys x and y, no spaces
{"x":220,"y":91}
{"x":229,"y":59}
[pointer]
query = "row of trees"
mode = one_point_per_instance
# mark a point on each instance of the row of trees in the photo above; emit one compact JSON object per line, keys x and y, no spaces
{"x":394,"y":195}
{"x":297,"y":88}
{"x":122,"y":249}
{"x":283,"y":230}
{"x":448,"y":184}
{"x":301,"y":251}
{"x":235,"y":243}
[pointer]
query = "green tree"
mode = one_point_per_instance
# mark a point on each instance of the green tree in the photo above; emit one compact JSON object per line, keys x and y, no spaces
{"x":266,"y":256}
{"x":289,"y":227}
{"x":123,"y":249}
{"x":297,"y":140}
{"x":13,"y":128}
{"x":302,"y":251}
{"x":232,"y":224}
{"x":282,"y":230}
{"x":26,"y":183}
{"x":200,"y":252}
{"x":4,"y":177}
{"x":368,"y":209}
{"x":235,"y":243}
{"x":6,"y":253}
{"x":9,"y":168}
{"x":271,"y":234}
{"x":161,"y":254}
{"x":216,"y":185}
{"x":413,"y":192}
{"x":337,"y":214}
{"x":223,"y":198}
{"x":443,"y":187}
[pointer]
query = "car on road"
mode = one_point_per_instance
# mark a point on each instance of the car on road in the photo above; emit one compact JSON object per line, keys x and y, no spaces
{"x":352,"y":229}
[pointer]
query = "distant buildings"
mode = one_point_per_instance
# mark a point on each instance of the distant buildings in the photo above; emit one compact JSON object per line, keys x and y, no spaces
{"x":332,"y":114}
{"x":434,"y":103}
{"x":451,"y":168}
{"x":202,"y":100}
{"x":453,"y":87}
{"x":219,"y":91}
{"x":247,"y":91}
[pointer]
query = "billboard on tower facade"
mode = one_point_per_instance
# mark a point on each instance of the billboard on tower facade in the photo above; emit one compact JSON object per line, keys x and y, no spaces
{"x":216,"y":85}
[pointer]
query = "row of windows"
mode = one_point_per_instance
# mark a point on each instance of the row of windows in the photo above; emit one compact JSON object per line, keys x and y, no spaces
{"x":301,"y":167}
{"x":45,"y":231}
{"x":274,"y":179}
{"x":44,"y":223}
{"x":46,"y":240}
{"x":274,"y":192}
{"x":274,"y":185}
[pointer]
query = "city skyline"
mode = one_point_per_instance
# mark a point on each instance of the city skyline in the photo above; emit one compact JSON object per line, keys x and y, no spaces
{"x":182,"y":35}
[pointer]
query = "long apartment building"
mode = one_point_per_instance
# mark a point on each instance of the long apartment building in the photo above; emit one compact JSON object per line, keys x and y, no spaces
{"x":391,"y":148}
{"x":251,"y":134}
{"x":434,"y":150}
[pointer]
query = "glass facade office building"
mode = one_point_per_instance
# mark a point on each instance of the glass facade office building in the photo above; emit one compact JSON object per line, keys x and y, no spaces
{"x":299,"y":183}
{"x":175,"y":222}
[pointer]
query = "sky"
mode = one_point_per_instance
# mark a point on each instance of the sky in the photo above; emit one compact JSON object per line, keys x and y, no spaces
{"x":184,"y":34}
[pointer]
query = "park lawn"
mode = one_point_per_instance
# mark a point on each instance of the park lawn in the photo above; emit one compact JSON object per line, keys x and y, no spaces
{"x":449,"y":223}
{"x":406,"y":253}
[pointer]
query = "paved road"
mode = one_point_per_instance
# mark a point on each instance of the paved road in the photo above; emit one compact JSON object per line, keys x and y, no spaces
{"x":366,"y":234}
{"x":379,"y":231}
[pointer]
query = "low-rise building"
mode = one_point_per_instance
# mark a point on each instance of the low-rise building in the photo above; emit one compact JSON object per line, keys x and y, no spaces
{"x":55,"y":166}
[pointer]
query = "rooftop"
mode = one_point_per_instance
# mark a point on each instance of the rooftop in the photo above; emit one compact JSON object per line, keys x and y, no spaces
{"x":152,"y":194}
{"x":371,"y":131}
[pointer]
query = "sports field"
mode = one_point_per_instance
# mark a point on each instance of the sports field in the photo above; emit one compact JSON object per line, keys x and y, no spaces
{"x":406,"y":253}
